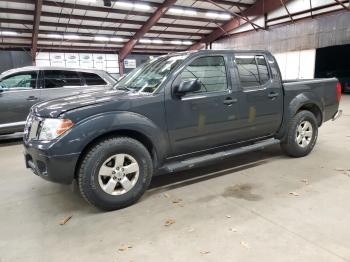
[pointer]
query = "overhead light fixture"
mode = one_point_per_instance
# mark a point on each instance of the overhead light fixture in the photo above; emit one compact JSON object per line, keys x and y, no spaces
{"x":130,"y":5}
{"x":181,"y":11}
{"x":176,"y":10}
{"x":190,"y":12}
{"x":71,"y":37}
{"x":186,"y":42}
{"x":101,"y":38}
{"x":157,"y":41}
{"x":117,"y":39}
{"x":176,"y":42}
{"x":54,"y":36}
{"x":215,"y":15}
{"x":145,"y":41}
{"x":142,"y":6}
{"x":8,"y":33}
{"x":211,"y":14}
{"x":125,"y":4}
{"x":224,"y":16}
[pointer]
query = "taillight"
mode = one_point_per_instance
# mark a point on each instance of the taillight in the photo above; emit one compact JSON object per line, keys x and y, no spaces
{"x":338,"y":91}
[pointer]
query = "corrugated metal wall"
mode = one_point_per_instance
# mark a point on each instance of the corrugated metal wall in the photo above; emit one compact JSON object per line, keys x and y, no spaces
{"x":328,"y":30}
{"x":14,"y":59}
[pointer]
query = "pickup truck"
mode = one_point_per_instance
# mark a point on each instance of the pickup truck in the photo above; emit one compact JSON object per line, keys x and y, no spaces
{"x":175,"y":112}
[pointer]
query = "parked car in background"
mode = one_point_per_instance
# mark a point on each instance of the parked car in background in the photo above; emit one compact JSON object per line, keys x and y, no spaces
{"x":175,"y":112}
{"x":23,"y":87}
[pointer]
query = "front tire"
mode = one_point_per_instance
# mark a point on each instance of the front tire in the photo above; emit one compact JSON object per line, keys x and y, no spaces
{"x":115,"y":173}
{"x":301,"y":135}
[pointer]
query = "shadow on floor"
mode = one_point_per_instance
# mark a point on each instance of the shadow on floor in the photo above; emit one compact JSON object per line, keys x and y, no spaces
{"x":231,"y":165}
{"x":11,"y":140}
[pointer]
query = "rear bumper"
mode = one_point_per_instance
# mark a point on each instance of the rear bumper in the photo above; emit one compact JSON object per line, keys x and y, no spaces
{"x":337,"y":115}
{"x":59,"y":169}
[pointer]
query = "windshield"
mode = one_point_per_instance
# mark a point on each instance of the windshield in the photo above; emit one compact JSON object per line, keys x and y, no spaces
{"x":148,"y":77}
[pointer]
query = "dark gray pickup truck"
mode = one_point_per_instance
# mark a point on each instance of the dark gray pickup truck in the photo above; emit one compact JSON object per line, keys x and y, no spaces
{"x":175,"y":112}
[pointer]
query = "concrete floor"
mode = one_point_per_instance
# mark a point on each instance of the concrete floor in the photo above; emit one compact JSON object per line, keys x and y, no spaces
{"x":262,"y":206}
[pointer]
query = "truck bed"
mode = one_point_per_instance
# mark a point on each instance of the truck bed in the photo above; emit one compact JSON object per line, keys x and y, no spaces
{"x":322,"y":91}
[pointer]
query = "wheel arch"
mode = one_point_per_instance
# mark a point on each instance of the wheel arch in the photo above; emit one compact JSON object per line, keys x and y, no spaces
{"x":309,"y":101}
{"x":314,"y":109}
{"x":137,"y":135}
{"x":303,"y":101}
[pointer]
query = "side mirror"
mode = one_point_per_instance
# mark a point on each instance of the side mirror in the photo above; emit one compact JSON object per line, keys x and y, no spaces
{"x":188,"y":86}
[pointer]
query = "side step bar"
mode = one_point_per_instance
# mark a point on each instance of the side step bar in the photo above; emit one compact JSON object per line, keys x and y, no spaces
{"x":204,"y":160}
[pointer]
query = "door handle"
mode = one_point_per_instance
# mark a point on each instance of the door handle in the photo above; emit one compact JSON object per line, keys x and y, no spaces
{"x":229,"y":101}
{"x":273,"y":95}
{"x":32,"y":98}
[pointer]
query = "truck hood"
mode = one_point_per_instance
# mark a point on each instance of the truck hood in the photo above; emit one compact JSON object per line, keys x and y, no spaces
{"x":53,"y":108}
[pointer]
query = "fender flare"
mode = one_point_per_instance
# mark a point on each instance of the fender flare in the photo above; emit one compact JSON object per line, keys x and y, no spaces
{"x":93,"y":127}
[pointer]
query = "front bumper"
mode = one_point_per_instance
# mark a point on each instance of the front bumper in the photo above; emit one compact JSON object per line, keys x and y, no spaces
{"x":59,"y":169}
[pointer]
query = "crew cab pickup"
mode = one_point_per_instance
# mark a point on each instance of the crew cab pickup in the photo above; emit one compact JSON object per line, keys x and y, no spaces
{"x":175,"y":112}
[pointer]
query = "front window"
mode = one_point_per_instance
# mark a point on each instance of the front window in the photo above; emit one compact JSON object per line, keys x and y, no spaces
{"x":211,"y":72}
{"x":23,"y":80}
{"x":149,"y":76}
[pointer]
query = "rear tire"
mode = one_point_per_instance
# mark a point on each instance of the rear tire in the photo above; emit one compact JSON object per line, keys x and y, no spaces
{"x":301,"y":135}
{"x":115,"y":173}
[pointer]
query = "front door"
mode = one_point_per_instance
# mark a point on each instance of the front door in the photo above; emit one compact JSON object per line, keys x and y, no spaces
{"x":260,"y":97}
{"x":18,"y":92}
{"x":207,"y":118}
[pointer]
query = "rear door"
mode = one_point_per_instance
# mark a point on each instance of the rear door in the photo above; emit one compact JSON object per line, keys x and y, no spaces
{"x":59,"y":83}
{"x":207,"y":118}
{"x":18,"y":92}
{"x":260,"y":96}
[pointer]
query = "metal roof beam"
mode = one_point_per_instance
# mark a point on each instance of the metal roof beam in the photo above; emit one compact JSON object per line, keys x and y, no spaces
{"x":285,"y":7}
{"x":225,"y":2}
{"x":244,"y":17}
{"x":36,"y":25}
{"x":259,"y":8}
{"x":343,"y":5}
{"x":161,"y":10}
{"x":313,"y":9}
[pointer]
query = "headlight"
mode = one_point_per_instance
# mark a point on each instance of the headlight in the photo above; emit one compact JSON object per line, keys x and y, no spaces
{"x":52,"y":128}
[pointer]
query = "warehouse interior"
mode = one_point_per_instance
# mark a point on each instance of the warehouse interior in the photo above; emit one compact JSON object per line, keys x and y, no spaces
{"x":261,"y":205}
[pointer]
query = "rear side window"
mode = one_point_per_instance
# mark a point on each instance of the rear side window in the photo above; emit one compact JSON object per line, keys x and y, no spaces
{"x":210,"y":70}
{"x":60,"y":78}
{"x":23,"y":80}
{"x":252,"y":70}
{"x":92,"y":79}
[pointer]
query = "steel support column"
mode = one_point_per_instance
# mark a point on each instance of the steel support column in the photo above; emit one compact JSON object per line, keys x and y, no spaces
{"x":36,"y":25}
{"x":127,"y":48}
